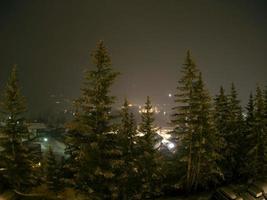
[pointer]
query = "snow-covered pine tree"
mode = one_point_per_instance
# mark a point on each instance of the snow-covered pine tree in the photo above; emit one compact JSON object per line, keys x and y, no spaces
{"x":205,"y":170}
{"x":98,"y":155}
{"x":194,"y":128}
{"x":149,"y":159}
{"x":229,"y":125}
{"x":258,"y":141}
{"x":127,"y":135}
{"x":221,"y":114}
{"x":73,"y":140}
{"x":265,"y":130}
{"x":16,"y":155}
{"x":182,"y":119}
{"x":249,"y":138}
{"x":265,"y":109}
{"x":52,"y":172}
{"x":234,"y":137}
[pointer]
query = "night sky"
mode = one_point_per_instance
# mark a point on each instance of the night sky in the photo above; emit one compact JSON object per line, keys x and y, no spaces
{"x":51,"y":41}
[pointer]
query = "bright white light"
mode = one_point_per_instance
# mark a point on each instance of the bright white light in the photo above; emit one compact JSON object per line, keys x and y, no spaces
{"x":170,"y":95}
{"x":45,"y":139}
{"x":170,"y":145}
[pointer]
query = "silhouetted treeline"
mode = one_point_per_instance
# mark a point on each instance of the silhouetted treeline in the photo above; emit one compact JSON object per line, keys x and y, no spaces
{"x":216,"y":142}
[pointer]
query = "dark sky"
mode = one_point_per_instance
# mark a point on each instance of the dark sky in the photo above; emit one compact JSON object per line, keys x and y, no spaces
{"x":51,"y":41}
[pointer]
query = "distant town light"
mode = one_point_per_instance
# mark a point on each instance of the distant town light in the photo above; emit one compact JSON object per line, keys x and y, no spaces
{"x":45,"y":139}
{"x":152,"y":110}
{"x":36,"y":166}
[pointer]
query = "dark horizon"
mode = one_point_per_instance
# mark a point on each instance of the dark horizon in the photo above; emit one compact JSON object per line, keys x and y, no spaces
{"x":51,"y":43}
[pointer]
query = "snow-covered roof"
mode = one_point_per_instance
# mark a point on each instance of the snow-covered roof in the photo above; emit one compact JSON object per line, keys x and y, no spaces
{"x":35,"y":126}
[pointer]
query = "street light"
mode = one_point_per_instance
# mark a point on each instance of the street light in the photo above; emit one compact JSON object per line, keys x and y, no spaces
{"x":171,"y":145}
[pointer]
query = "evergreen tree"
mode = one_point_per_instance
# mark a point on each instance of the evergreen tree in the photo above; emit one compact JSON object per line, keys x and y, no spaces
{"x":265,"y":130}
{"x":265,"y":108}
{"x":52,"y":172}
{"x":127,"y":134}
{"x":73,"y":140}
{"x":249,"y":134}
{"x":235,"y":137}
{"x":257,"y":152}
{"x":149,"y":159}
{"x":205,"y":170}
{"x":198,"y":154}
{"x":230,"y":129}
{"x":15,"y":156}
{"x":183,"y":118}
{"x":98,"y":156}
{"x":221,"y":114}
{"x":250,"y":116}
{"x":221,"y":119}
{"x":265,"y":96}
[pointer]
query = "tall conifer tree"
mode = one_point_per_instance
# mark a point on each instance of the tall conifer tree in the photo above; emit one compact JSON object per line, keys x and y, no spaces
{"x":73,"y":140}
{"x":249,"y":133}
{"x":250,"y":115}
{"x":235,"y":137}
{"x":130,"y":181}
{"x":198,"y":154}
{"x":52,"y":172}
{"x":16,"y":155}
{"x":265,"y":130}
{"x":230,"y":129}
{"x":182,"y":118}
{"x":92,"y":128}
{"x":221,"y":114}
{"x":149,"y":159}
{"x":205,"y":170}
{"x":265,"y":107}
{"x":258,"y":148}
